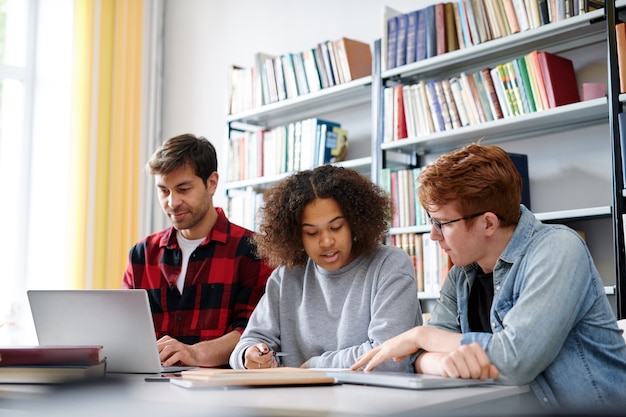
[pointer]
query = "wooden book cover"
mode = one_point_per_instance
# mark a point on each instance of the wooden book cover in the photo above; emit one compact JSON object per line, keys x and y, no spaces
{"x":440,"y":28}
{"x":252,"y":377}
{"x":620,"y":38}
{"x":356,"y":58}
{"x":452,"y":41}
{"x":559,"y":78}
{"x":50,"y":355}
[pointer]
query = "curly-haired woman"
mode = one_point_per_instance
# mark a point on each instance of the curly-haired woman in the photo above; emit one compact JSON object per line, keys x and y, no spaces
{"x":338,"y":290}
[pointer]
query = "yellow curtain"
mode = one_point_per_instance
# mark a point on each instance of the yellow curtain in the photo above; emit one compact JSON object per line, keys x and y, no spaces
{"x":106,"y":140}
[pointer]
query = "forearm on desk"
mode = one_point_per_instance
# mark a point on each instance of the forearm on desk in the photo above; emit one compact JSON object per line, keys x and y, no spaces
{"x":216,"y":352}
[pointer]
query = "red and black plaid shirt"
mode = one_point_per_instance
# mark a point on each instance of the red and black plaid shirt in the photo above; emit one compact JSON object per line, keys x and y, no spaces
{"x":223,"y":284}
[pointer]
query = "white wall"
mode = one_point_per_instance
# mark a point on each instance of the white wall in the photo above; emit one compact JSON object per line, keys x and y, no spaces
{"x":203,"y":38}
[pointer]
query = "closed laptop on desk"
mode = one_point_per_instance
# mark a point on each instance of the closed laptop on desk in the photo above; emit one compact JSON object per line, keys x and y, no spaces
{"x":119,"y":320}
{"x":403,"y":380}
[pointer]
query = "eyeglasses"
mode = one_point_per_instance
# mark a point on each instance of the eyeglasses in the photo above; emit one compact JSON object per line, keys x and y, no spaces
{"x":438,"y":226}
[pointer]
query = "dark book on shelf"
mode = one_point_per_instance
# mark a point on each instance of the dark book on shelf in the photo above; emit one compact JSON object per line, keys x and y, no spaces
{"x":420,"y":36}
{"x":401,"y":40}
{"x":559,"y":79}
{"x":431,"y":31}
{"x":620,"y":40}
{"x":411,"y":34}
{"x":621,"y":119}
{"x":521,"y":163}
{"x":51,"y":355}
{"x":392,"y":39}
{"x":452,"y":41}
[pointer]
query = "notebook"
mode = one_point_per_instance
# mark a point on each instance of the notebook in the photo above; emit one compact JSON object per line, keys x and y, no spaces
{"x":119,"y":320}
{"x":403,"y":380}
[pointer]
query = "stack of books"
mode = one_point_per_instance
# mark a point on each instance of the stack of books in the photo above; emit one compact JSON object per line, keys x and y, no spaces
{"x":51,"y":364}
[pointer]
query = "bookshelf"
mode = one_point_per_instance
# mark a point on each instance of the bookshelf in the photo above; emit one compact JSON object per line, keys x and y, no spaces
{"x":589,"y":198}
{"x":600,"y":215}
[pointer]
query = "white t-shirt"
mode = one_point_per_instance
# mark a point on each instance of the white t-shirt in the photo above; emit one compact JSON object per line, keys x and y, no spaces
{"x":187,"y":246}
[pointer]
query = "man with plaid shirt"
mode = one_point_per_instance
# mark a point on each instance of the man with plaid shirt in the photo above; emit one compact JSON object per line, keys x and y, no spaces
{"x":202,"y":274}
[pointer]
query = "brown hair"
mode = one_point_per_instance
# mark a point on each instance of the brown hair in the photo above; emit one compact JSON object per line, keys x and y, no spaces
{"x":478,"y":177}
{"x":366,"y":207}
{"x":186,"y":149}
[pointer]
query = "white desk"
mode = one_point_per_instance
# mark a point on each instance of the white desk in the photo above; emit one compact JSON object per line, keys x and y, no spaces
{"x":153,"y":399}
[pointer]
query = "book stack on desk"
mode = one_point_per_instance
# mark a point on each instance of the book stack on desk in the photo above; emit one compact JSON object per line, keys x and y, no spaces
{"x":197,"y":378}
{"x":51,"y":364}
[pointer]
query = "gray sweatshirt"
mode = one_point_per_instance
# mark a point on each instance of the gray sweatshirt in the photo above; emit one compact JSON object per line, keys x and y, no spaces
{"x":330,"y":318}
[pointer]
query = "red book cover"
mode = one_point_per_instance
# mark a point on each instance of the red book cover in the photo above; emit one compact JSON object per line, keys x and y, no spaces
{"x":51,"y":355}
{"x":399,"y":119}
{"x":559,"y":79}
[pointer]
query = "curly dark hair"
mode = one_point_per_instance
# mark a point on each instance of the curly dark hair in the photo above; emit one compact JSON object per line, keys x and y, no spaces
{"x":366,"y":207}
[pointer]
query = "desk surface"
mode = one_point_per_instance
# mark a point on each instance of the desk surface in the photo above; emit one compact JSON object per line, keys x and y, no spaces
{"x":134,"y":396}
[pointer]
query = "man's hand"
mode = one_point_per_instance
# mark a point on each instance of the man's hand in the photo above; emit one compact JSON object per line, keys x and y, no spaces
{"x":173,"y":353}
{"x":468,"y":361}
{"x":396,"y":348}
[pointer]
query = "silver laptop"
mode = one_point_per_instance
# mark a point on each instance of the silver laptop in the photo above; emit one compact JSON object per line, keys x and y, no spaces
{"x":403,"y":380}
{"x":119,"y":320}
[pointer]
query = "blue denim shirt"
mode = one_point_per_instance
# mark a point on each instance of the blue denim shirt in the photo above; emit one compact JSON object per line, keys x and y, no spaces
{"x":552,"y":324}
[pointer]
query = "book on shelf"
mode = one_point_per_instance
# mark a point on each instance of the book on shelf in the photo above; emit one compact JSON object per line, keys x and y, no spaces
{"x":511,"y":16}
{"x":301,"y":80}
{"x":435,"y":107}
{"x":621,"y":121}
{"x":521,"y":163}
{"x":399,"y":119}
{"x":490,"y":90}
{"x":420,"y":36}
{"x":355,"y":59}
{"x":455,"y":119}
{"x":521,"y":14}
{"x":459,"y":25}
{"x":443,"y":105}
{"x":197,"y":378}
{"x":78,"y":355}
{"x":392,"y":40}
{"x":452,"y":41}
{"x":321,"y":66}
{"x":411,"y":33}
{"x":51,"y":374}
{"x":328,"y":66}
{"x":289,"y":75}
{"x":401,"y":40}
{"x":485,"y":99}
{"x":559,"y":79}
{"x":440,"y":29}
{"x":620,"y":40}
{"x":430,"y":29}
{"x":533,"y":57}
{"x":280,"y":79}
{"x":310,"y":69}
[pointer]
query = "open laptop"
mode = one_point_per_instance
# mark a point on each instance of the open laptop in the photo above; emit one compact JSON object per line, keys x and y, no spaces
{"x":119,"y":320}
{"x":403,"y":380}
